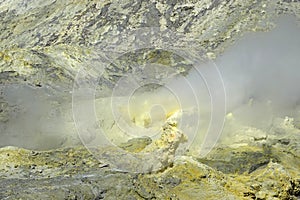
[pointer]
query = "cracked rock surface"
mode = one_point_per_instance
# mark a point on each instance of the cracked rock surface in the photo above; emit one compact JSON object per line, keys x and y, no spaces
{"x":44,"y":43}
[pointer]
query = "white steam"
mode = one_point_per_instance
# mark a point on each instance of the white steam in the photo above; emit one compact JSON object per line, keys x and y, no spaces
{"x":261,"y":73}
{"x":36,"y":118}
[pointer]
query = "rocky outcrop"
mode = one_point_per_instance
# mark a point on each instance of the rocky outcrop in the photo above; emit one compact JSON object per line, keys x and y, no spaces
{"x":45,"y":44}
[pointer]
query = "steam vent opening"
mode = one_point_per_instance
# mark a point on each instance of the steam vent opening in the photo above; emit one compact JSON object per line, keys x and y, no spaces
{"x":150,"y":100}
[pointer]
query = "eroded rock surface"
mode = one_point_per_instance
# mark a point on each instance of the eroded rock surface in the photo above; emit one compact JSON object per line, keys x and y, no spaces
{"x":45,"y":43}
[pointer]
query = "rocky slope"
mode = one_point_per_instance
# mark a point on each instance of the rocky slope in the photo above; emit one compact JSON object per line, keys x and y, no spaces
{"x":44,"y":44}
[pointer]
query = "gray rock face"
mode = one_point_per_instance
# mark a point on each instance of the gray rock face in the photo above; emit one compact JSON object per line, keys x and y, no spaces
{"x":45,"y":43}
{"x":44,"y":47}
